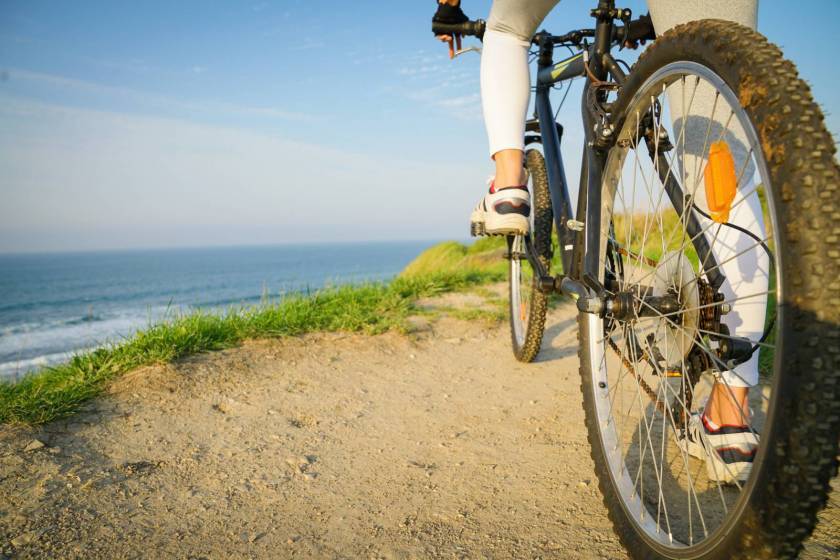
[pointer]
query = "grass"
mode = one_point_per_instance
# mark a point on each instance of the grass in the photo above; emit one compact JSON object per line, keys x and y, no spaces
{"x":61,"y":390}
{"x":451,"y":257}
{"x":658,"y":230}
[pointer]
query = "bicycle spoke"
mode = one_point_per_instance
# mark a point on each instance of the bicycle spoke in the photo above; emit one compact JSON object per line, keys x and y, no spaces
{"x":659,"y":242}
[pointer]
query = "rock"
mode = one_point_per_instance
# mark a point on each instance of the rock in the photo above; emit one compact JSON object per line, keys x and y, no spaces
{"x":23,"y":539}
{"x":222,"y":407}
{"x":301,"y":462}
{"x":33,"y":445}
{"x":417,"y":324}
{"x":54,"y":450}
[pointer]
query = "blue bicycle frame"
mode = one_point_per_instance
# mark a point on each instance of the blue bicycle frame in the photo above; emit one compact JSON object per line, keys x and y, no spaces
{"x":580,"y":255}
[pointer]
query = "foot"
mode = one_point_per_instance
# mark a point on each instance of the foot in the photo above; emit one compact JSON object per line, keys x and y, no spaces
{"x":502,"y":212}
{"x":727,"y":450}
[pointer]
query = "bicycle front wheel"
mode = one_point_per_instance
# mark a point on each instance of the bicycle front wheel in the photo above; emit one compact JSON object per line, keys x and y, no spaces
{"x":719,"y":248}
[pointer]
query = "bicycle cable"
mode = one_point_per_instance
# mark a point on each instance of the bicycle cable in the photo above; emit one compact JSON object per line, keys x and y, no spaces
{"x":771,"y":323}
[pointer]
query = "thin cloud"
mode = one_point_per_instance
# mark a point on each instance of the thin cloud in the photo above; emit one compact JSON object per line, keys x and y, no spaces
{"x":464,"y":100}
{"x":134,"y":175}
{"x":420,"y":70}
{"x":142,"y":99}
{"x":442,"y":85}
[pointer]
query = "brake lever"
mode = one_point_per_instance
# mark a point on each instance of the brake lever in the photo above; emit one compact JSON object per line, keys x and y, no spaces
{"x":468,"y":49}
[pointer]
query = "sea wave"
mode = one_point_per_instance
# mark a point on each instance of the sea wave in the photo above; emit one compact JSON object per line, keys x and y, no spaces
{"x":27,"y":348}
{"x":16,"y":369}
{"x":21,"y":328}
{"x":54,"y":304}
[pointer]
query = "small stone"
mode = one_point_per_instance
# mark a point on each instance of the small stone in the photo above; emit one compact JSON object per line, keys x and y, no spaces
{"x":54,"y":450}
{"x":33,"y":445}
{"x":418,"y":324}
{"x":583,"y":483}
{"x":222,"y":407}
{"x":23,"y":539}
{"x":271,"y":412}
{"x":309,"y":476}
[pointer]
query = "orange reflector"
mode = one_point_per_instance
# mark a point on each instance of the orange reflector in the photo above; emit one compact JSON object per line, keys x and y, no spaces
{"x":721,"y":182}
{"x":673,"y":373}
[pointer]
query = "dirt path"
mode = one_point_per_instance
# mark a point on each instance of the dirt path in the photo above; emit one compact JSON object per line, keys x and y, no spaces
{"x":437,"y":444}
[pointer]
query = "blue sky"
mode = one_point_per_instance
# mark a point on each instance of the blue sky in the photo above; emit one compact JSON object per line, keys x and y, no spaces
{"x":157,"y":124}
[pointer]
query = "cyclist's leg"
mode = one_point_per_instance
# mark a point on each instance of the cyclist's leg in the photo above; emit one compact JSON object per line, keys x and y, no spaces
{"x":746,"y":271}
{"x":670,"y":13}
{"x":505,"y":81}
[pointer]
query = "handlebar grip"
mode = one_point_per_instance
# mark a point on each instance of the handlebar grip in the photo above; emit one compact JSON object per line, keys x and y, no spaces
{"x":475,"y":28}
{"x":640,"y":29}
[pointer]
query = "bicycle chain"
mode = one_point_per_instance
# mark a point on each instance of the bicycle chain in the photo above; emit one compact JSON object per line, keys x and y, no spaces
{"x":658,"y":404}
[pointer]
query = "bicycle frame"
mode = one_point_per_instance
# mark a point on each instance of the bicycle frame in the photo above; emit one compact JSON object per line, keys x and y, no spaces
{"x":578,"y":264}
{"x":580,"y":253}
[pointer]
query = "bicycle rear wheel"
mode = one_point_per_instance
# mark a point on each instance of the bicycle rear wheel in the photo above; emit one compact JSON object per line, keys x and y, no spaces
{"x":679,"y":326}
{"x":527,"y":304}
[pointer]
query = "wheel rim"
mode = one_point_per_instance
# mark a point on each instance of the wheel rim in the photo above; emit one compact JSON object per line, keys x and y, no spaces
{"x":521,"y":280}
{"x":668,"y":495}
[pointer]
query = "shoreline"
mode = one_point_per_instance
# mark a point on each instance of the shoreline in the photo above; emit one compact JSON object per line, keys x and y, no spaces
{"x":372,"y":307}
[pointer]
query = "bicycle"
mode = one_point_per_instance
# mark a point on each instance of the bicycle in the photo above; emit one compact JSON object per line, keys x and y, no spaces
{"x":655,"y":310}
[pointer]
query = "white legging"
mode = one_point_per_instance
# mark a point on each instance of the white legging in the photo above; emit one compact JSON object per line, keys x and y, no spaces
{"x":505,"y":93}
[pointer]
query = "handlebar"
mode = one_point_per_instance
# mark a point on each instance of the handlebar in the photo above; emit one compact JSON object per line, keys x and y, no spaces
{"x":636,"y":30}
{"x":571,"y":37}
{"x":475,"y":28}
{"x":633,"y":31}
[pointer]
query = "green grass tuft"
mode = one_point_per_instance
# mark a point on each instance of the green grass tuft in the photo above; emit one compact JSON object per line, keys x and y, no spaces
{"x":61,"y":390}
{"x":484,"y":257}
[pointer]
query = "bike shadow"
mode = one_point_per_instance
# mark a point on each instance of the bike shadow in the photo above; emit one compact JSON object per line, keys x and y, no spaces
{"x":559,"y":340}
{"x":659,"y":468}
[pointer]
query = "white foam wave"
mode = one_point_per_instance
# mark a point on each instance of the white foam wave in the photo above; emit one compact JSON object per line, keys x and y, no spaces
{"x":17,"y":368}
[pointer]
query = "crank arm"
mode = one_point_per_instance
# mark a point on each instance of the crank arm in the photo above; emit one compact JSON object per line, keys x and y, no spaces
{"x":546,"y":281}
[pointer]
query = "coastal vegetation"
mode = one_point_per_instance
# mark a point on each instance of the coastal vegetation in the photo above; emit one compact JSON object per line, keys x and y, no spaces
{"x":61,"y":390}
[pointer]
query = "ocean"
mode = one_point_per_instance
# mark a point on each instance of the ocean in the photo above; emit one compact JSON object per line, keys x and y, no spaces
{"x":52,"y":305}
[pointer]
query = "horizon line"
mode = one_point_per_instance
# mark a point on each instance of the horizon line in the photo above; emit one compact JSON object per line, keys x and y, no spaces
{"x":42,"y":252}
